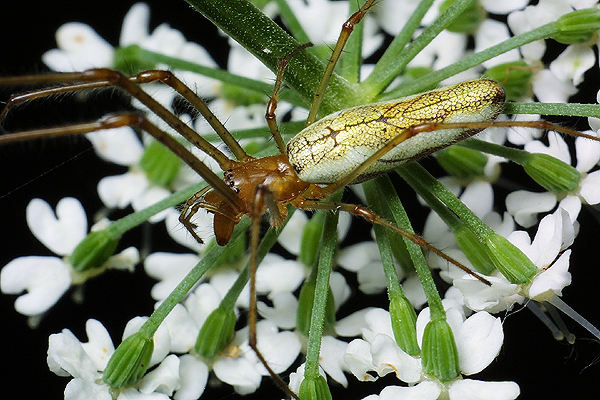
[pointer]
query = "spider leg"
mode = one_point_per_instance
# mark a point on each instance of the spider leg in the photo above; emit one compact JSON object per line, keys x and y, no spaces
{"x":366,"y":213}
{"x":103,"y":77}
{"x":347,"y":29}
{"x":262,"y":200}
{"x":138,"y":121}
{"x":272,"y":104}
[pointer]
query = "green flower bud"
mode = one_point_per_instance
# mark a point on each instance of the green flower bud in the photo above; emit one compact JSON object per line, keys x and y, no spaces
{"x":404,"y":324}
{"x":551,"y":173}
{"x":216,"y":333}
{"x":311,"y":240}
{"x":516,"y":78}
{"x":577,"y":26}
{"x":314,"y":389}
{"x":462,"y":162}
{"x":130,"y":60}
{"x":509,"y":260}
{"x":440,"y":357}
{"x":474,"y":250}
{"x":129,"y":362}
{"x":468,"y":20}
{"x":160,"y":164}
{"x":94,"y":250}
{"x":305,"y":305}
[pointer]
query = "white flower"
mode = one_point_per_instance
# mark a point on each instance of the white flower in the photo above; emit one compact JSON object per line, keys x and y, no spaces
{"x":478,"y":340}
{"x":85,"y":362}
{"x":555,"y":233}
{"x":243,"y":370}
{"x":46,"y":279}
{"x":524,"y":205}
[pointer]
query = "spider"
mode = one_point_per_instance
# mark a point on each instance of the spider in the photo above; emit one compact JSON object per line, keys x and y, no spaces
{"x":254,"y":186}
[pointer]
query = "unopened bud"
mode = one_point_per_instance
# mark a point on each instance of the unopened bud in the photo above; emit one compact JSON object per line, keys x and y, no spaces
{"x":129,"y":362}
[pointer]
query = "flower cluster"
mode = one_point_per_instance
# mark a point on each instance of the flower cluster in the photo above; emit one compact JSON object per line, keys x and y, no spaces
{"x":454,"y":337}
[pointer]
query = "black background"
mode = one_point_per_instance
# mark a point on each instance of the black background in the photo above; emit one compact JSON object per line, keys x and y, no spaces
{"x":55,"y":168}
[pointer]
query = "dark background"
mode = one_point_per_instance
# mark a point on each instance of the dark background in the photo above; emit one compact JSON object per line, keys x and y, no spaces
{"x":56,"y":168}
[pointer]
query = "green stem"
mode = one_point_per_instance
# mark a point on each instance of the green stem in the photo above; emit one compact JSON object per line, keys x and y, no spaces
{"x":382,"y":237}
{"x":134,"y":219}
{"x":414,"y":174}
{"x":152,"y":58}
{"x":285,"y":128}
{"x":351,"y":59}
{"x":311,"y":369}
{"x":433,"y":78}
{"x":395,"y":58}
{"x":266,"y":243}
{"x":516,"y":155}
{"x":386,"y":191}
{"x":269,"y":43}
{"x":207,"y":262}
{"x":566,"y":109}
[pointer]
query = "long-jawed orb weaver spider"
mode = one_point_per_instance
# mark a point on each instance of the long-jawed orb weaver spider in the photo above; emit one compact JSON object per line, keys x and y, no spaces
{"x":228,"y":208}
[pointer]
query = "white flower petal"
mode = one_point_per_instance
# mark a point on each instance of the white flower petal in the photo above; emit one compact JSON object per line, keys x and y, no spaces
{"x":150,"y":196}
{"x":82,"y":389}
{"x":490,"y":33}
{"x":291,"y":235}
{"x":468,"y":389}
{"x":46,"y":279}
{"x":414,"y":292}
{"x":119,"y":191}
{"x":340,"y":289}
{"x":280,"y":349}
{"x":552,"y":281}
{"x":331,"y":359}
{"x":134,"y":394}
{"x":557,"y":147}
{"x":82,"y":47}
{"x":478,"y":342}
{"x":163,"y":379}
{"x":357,"y":256}
{"x":573,"y":63}
{"x":99,"y":346}
{"x":388,"y":357}
{"x":238,"y":372}
{"x":178,"y":232}
{"x":353,"y":324}
{"x":125,"y":260}
{"x":61,"y":232}
{"x":588,"y":152}
{"x":283,"y":312}
{"x":550,"y":89}
{"x":427,"y":390}
{"x":589,"y":188}
{"x":572,"y":205}
{"x":169,"y":269}
{"x":525,"y":206}
{"x":202,"y":301}
{"x":135,"y":24}
{"x":119,"y":145}
{"x":67,"y":357}
{"x":193,"y":376}
{"x":272,"y":269}
{"x":359,"y":360}
{"x":502,"y":295}
{"x":182,"y":329}
{"x":503,"y":7}
{"x":479,"y":197}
